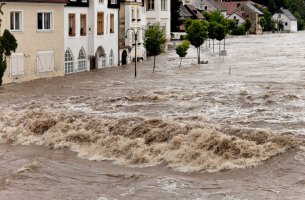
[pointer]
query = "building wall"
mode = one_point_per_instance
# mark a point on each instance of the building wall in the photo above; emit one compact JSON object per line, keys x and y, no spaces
{"x":108,"y":41}
{"x":136,"y":22}
{"x":291,"y":26}
{"x":236,"y":17}
{"x":30,"y":40}
{"x":253,"y":16}
{"x":159,"y":16}
{"x":77,"y":42}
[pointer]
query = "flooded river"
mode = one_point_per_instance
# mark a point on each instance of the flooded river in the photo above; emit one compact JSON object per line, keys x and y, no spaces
{"x":196,"y":132}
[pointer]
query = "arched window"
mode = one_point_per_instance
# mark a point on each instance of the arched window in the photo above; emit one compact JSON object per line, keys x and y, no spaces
{"x":81,"y":60}
{"x":69,"y":62}
{"x":111,"y":58}
{"x":104,"y":59}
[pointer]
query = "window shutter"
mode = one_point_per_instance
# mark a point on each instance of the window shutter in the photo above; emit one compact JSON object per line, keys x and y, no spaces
{"x":20,"y":64}
{"x":14,"y":65}
{"x":50,"y":61}
{"x":45,"y":61}
{"x":40,"y":61}
{"x":17,"y":64}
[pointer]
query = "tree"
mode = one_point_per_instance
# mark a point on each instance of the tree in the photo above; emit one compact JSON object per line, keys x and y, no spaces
{"x":232,"y":24}
{"x":267,"y":23}
{"x":196,"y":34}
{"x":220,"y":33}
{"x":8,"y":44}
{"x":211,"y":31}
{"x":262,"y":23}
{"x":181,"y":50}
{"x":280,"y":25}
{"x":155,"y":41}
{"x":175,"y":15}
{"x":240,"y":30}
{"x":271,"y":6}
{"x":247,"y":24}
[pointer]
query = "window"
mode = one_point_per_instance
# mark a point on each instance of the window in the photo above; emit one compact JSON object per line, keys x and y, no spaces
{"x":286,"y":24}
{"x":16,"y":21}
{"x":113,"y":1}
{"x":71,"y":24}
{"x":151,"y":4}
{"x":132,"y":15}
{"x":69,"y":62}
{"x":205,"y":8}
{"x":44,"y":21}
{"x":45,"y":61}
{"x":83,"y":25}
{"x":138,"y":15}
{"x":111,"y":58}
{"x":111,"y":23}
{"x":81,"y":61}
{"x":163,"y":5}
{"x":100,"y":23}
{"x":17,"y":64}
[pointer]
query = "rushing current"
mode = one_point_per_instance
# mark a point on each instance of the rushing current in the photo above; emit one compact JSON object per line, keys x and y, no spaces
{"x":230,"y":129}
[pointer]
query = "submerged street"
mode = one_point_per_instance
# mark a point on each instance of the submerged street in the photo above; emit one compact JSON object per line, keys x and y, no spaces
{"x":195,"y":132}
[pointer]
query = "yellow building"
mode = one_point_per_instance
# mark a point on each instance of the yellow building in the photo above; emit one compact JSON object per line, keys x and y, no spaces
{"x":38,"y":26}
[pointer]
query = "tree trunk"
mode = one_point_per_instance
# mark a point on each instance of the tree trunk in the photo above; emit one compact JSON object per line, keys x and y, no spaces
{"x":198,"y":52}
{"x":213,"y":46}
{"x":224,"y":44}
{"x":209,"y":43}
{"x":154,"y":63}
{"x":219,"y":45}
{"x":180,"y":62}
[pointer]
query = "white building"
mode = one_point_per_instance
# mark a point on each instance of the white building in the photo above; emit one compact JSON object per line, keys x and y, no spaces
{"x":158,"y":11}
{"x":91,"y":34}
{"x":290,"y":23}
{"x":132,"y":21}
{"x":237,"y":17}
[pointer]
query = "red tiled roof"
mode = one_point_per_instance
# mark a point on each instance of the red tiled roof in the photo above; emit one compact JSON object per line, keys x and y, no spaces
{"x":230,"y":6}
{"x":35,"y":1}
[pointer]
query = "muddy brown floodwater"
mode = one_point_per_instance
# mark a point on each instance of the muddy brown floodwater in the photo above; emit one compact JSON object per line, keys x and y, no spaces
{"x":196,"y":132}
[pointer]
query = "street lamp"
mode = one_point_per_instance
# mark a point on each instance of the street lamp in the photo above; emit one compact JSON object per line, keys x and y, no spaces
{"x":135,"y":32}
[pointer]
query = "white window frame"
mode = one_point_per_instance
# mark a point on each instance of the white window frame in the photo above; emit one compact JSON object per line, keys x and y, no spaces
{"x":18,"y":55}
{"x":81,"y":62}
{"x":51,"y":23}
{"x":69,"y":65}
{"x":111,"y":58}
{"x":151,"y":3}
{"x":21,"y":21}
{"x":163,"y":5}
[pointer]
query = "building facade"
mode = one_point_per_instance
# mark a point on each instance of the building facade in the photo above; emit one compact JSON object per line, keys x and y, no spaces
{"x":91,"y":34}
{"x":132,"y":21}
{"x":158,"y":11}
{"x":249,"y":11}
{"x":38,"y":28}
{"x":289,"y":22}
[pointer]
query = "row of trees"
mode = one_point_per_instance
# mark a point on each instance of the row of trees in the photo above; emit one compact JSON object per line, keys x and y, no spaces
{"x":215,"y":27}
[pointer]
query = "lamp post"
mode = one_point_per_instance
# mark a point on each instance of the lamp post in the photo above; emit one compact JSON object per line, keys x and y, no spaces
{"x":135,"y":32}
